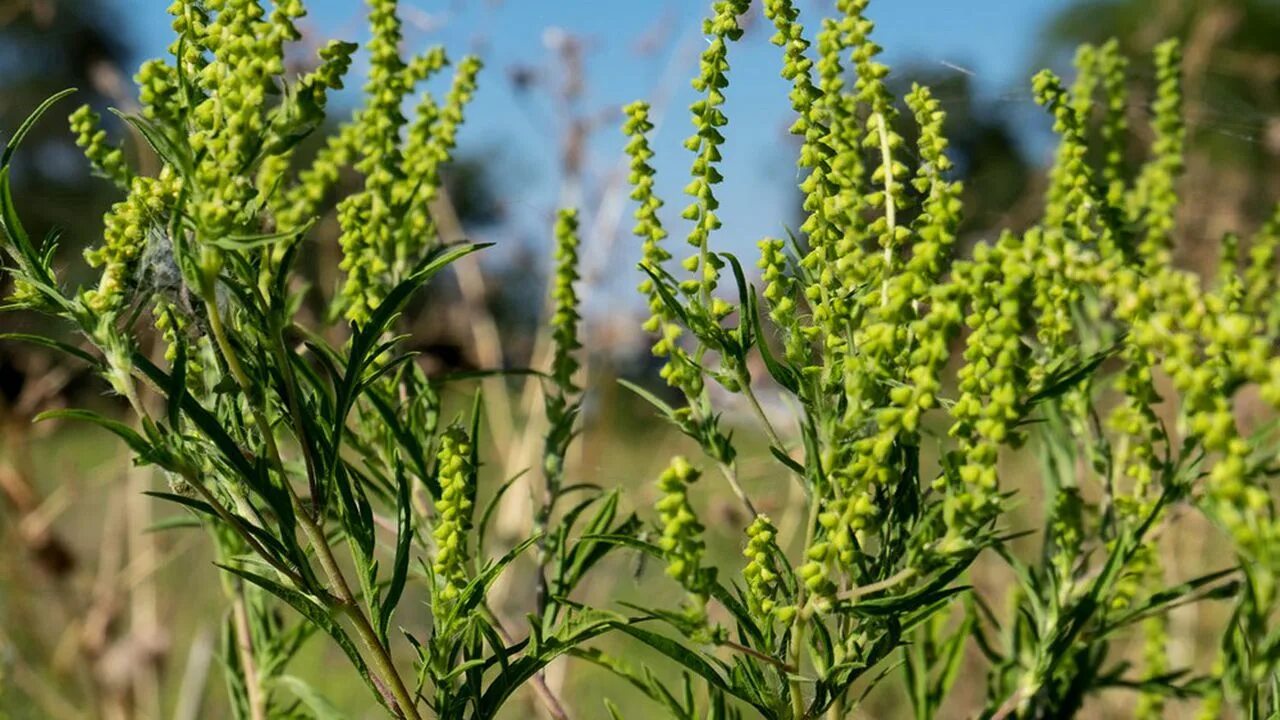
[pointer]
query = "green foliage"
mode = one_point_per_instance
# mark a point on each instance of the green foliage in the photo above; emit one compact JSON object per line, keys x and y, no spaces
{"x":915,"y":372}
{"x":866,"y":312}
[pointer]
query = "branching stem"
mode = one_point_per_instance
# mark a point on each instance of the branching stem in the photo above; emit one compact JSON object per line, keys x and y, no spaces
{"x":346,"y":601}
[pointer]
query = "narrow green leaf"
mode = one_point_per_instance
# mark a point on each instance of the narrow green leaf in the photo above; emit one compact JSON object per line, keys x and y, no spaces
{"x":59,"y":346}
{"x":140,"y":446}
{"x":320,"y":708}
{"x":21,"y":133}
{"x":169,"y":152}
{"x":400,"y":567}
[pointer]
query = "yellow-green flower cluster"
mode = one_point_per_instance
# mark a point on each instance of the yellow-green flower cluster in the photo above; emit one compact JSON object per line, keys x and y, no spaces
{"x":174,"y":326}
{"x":190,"y":25}
{"x":992,"y":379}
{"x":227,"y":124}
{"x":1068,"y":214}
{"x":888,"y":174}
{"x":846,"y":198}
{"x":1154,"y":198}
{"x":679,"y":371}
{"x":761,"y":571}
{"x":453,"y":510}
{"x":648,"y":226}
{"x":926,"y":336}
{"x":1207,"y":347}
{"x":796,"y":67}
{"x":430,"y":143}
{"x":106,"y":159}
{"x":1115,"y":124}
{"x":780,"y":288}
{"x":368,"y":218}
{"x":1260,"y":273}
{"x":681,"y":542}
{"x":841,"y":523}
{"x":813,"y":123}
{"x":882,"y":333}
{"x":386,"y":225}
{"x":1155,"y":661}
{"x":304,"y":199}
{"x":708,"y":117}
{"x":126,"y":227}
{"x":1066,"y":527}
{"x":303,"y":111}
{"x":1088,"y":79}
{"x":564,"y":299}
{"x":158,"y":90}
{"x":780,"y":285}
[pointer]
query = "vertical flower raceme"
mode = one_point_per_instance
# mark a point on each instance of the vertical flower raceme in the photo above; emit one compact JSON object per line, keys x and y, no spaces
{"x":1260,"y":272}
{"x":682,"y":540}
{"x":761,"y":571}
{"x":564,"y":299}
{"x":860,"y":450}
{"x":806,"y":100}
{"x":1067,"y":225}
{"x":816,"y":122}
{"x":315,"y":182}
{"x":847,"y":172}
{"x":159,"y":91}
{"x":457,"y":494}
{"x":561,"y":399}
{"x":708,"y":119}
{"x":925,"y":335}
{"x":367,"y":217}
{"x":1154,"y":197}
{"x":228,"y":120}
{"x":991,"y":381}
{"x":679,"y":371}
{"x":300,"y":113}
{"x":433,"y":134}
{"x":780,"y":291}
{"x":106,"y":160}
{"x":1115,"y":125}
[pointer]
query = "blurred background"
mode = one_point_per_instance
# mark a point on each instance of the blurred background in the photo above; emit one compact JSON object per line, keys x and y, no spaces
{"x":100,"y":618}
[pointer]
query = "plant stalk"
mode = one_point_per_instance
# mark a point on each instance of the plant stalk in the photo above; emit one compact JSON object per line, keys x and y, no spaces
{"x":382,"y":662}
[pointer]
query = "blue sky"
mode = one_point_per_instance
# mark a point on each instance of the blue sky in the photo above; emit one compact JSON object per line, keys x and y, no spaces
{"x":994,"y":40}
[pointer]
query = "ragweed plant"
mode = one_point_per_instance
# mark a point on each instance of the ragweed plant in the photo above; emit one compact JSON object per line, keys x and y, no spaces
{"x":919,"y":375}
{"x":1064,"y":332}
{"x":290,"y":449}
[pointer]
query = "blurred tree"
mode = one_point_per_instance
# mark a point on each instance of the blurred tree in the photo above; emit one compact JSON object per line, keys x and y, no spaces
{"x":1232,"y":86}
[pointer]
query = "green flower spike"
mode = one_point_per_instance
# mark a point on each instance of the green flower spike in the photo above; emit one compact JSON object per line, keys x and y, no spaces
{"x":454,"y":510}
{"x":107,"y":161}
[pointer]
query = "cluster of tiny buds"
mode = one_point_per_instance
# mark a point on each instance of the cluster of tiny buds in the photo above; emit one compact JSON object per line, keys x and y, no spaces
{"x":106,"y":159}
{"x":126,"y":228}
{"x":453,"y":510}
{"x":565,"y":316}
{"x":682,"y":541}
{"x":761,"y":572}
{"x":678,"y":370}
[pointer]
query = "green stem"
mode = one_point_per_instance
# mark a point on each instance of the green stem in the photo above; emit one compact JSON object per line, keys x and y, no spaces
{"x":802,"y":616}
{"x":793,"y":684}
{"x":890,"y":210}
{"x":744,"y":380}
{"x":863,"y":590}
